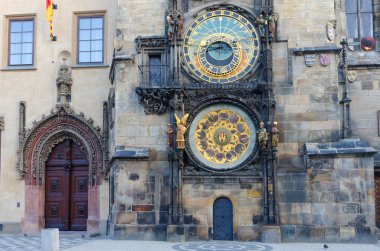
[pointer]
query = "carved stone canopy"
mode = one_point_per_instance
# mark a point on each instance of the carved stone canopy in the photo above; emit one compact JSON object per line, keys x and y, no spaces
{"x":59,"y":125}
{"x":158,"y":100}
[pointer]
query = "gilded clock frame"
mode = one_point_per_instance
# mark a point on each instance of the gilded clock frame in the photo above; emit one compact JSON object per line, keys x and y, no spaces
{"x":253,"y":115}
{"x":247,"y":54}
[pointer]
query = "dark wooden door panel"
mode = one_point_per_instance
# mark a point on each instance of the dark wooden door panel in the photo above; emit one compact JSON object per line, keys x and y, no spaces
{"x":66,"y":189}
{"x":55,"y":204}
{"x":79,"y":197}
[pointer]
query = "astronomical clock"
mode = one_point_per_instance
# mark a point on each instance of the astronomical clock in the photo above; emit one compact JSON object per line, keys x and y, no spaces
{"x":221,"y":47}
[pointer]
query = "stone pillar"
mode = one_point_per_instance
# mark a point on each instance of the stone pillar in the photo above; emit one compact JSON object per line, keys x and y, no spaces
{"x":50,"y":239}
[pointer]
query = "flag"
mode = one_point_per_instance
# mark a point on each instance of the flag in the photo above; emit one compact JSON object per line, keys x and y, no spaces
{"x":49,"y":10}
{"x":49,"y":17}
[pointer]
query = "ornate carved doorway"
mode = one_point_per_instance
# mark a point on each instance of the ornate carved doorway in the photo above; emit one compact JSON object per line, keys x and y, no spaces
{"x":223,"y":219}
{"x":66,"y":188}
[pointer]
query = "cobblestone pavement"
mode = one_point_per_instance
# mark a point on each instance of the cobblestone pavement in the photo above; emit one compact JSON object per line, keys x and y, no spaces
{"x":33,"y":243}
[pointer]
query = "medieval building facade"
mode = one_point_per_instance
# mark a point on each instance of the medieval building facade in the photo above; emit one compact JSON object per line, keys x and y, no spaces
{"x":186,"y":120}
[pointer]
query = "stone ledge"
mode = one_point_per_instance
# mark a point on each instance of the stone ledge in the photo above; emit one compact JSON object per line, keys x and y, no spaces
{"x":363,"y":59}
{"x":352,"y":147}
{"x":134,"y":153}
{"x":316,"y":49}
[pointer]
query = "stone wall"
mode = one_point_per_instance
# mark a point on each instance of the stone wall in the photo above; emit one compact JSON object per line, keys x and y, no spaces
{"x":246,"y":196}
{"x":333,"y":200}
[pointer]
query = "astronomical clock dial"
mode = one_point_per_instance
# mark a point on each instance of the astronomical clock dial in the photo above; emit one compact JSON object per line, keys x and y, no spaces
{"x":222,"y":136}
{"x":221,"y":47}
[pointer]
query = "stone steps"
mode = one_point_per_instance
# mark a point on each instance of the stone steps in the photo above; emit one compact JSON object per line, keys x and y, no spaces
{"x":73,"y":234}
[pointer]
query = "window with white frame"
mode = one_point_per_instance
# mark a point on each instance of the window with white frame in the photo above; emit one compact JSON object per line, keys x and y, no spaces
{"x":21,"y":42}
{"x":90,"y":39}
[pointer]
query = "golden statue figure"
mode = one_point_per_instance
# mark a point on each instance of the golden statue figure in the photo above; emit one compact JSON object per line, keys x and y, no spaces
{"x":274,"y":131}
{"x":262,"y":136}
{"x":181,"y":129}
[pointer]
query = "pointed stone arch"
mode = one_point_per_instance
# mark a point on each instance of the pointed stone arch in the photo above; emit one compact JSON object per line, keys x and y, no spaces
{"x":35,"y":147}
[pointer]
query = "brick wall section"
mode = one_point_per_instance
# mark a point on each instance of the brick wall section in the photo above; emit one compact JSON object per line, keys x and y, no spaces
{"x":365,"y":95}
{"x":246,"y":196}
{"x":307,"y":97}
{"x":332,"y":201}
{"x":303,"y":23}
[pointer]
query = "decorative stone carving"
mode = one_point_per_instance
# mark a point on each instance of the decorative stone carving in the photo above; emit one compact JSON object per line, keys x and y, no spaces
{"x":118,"y":40}
{"x":64,"y":82}
{"x":62,"y":123}
{"x":154,"y":100}
{"x":325,"y":59}
{"x":330,"y":30}
{"x":351,"y":76}
{"x":151,"y":41}
{"x":310,"y":59}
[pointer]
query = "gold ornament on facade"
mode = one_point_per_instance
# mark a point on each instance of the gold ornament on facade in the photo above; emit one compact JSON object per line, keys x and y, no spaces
{"x":262,"y":136}
{"x":181,"y":130}
{"x":274,"y":132}
{"x":222,"y":136}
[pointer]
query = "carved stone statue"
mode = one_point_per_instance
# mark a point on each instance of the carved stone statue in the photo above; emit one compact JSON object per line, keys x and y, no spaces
{"x":262,"y":24}
{"x":262,"y":136}
{"x":272,"y":21}
{"x":179,"y":28}
{"x":170,"y":132}
{"x":170,"y":21}
{"x":181,"y":130}
{"x":118,"y":40}
{"x":274,"y":132}
{"x":64,"y":82}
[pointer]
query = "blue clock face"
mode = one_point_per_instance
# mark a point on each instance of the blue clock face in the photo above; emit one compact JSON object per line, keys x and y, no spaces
{"x":221,"y":47}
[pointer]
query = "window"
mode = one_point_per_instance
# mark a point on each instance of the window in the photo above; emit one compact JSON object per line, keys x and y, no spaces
{"x":21,"y":42}
{"x":359,"y":18}
{"x":155,"y":70}
{"x":90,"y":39}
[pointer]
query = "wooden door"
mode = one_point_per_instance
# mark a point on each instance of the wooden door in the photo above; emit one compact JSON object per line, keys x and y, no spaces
{"x":66,"y":188}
